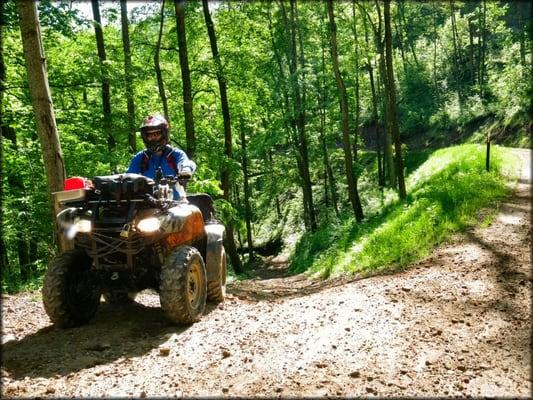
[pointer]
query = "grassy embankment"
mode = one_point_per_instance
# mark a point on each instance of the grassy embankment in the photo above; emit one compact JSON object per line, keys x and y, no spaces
{"x":445,"y":195}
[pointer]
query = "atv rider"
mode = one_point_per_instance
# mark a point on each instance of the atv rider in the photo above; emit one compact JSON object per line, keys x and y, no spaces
{"x":158,"y":153}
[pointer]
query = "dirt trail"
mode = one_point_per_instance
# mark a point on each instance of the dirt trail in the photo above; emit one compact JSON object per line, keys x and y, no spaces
{"x":457,"y":323}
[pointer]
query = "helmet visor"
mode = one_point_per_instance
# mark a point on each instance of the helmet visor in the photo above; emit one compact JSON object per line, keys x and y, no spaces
{"x":154,"y":139}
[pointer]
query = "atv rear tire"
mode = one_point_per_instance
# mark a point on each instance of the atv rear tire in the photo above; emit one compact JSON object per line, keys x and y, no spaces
{"x":216,"y":285}
{"x":70,"y":293}
{"x":183,"y":287}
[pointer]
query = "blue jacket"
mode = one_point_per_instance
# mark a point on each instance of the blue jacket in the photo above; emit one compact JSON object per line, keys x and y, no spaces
{"x":177,"y":156}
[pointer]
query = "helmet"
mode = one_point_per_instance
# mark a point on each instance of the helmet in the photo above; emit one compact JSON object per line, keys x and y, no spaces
{"x":155,"y":123}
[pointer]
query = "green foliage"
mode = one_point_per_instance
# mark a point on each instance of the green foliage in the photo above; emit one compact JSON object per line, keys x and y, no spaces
{"x":447,"y":193}
{"x":419,"y":100}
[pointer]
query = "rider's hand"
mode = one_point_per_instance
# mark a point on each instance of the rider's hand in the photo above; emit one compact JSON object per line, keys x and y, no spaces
{"x":185,"y":174}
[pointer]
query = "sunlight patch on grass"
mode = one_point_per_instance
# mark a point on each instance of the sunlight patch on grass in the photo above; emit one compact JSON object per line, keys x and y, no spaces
{"x":445,"y":195}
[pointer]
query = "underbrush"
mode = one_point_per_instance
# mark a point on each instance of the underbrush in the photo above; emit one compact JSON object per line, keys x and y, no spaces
{"x":445,"y":195}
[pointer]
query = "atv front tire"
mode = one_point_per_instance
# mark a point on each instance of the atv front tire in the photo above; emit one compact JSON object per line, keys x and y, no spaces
{"x":183,"y":287}
{"x":216,"y":285}
{"x":70,"y":293}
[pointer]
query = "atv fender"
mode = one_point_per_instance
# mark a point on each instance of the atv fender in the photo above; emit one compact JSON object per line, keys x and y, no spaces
{"x":215,"y":235}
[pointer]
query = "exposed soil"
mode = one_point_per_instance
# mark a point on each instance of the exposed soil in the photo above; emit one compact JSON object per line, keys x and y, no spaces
{"x":457,"y":323}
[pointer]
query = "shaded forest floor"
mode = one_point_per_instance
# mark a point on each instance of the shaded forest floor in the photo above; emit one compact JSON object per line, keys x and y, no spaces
{"x":456,"y":323}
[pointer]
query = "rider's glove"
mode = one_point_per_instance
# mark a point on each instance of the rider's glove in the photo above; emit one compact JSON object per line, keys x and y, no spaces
{"x":185,"y":173}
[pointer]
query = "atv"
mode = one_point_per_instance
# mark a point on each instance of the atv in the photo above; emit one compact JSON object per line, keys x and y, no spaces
{"x":126,"y":233}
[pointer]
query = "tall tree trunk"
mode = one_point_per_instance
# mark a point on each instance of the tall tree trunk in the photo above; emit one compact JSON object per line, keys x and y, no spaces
{"x":388,"y":161}
{"x":277,"y":202}
{"x":4,"y":264}
{"x":298,"y":94}
{"x":322,"y":98}
{"x":286,"y":104}
{"x":357,"y":97}
{"x":375,"y":121}
{"x":128,"y":76}
{"x":159,"y":75}
{"x":483,"y":50}
{"x":393,"y":113}
{"x":106,"y":94}
{"x":457,"y":57}
{"x":435,"y":44}
{"x":179,"y":6}
{"x":23,"y":258}
{"x":247,"y":194}
{"x":471,"y":60}
{"x":352,"y":186}
{"x":42,"y":103}
{"x":228,"y":142}
{"x":301,"y":118}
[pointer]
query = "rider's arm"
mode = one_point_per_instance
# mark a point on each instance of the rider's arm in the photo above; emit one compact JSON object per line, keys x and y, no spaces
{"x":184,"y":163}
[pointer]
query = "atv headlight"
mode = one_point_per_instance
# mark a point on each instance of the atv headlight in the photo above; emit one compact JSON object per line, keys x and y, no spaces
{"x":83,"y":225}
{"x":77,"y":226}
{"x":149,"y":225}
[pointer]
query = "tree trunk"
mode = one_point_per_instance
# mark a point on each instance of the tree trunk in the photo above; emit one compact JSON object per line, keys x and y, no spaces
{"x":298,"y":95}
{"x":435,"y":45}
{"x":301,"y":118}
{"x":322,"y":101}
{"x":247,"y":195}
{"x":388,"y":161}
{"x":42,"y":103}
{"x":179,"y":6}
{"x":106,"y":94}
{"x":22,"y":253}
{"x":128,"y":76}
{"x":277,"y":202}
{"x":4,"y":264}
{"x":457,"y":57}
{"x":357,"y":97}
{"x":472,"y":66}
{"x":483,"y":49}
{"x":287,"y":117}
{"x":352,"y":187}
{"x":228,"y":141}
{"x":375,"y":121}
{"x":393,"y":113}
{"x":159,"y":75}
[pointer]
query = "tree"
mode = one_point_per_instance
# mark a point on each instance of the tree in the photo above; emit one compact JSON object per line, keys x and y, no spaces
{"x":322,"y":105}
{"x":106,"y":93}
{"x":3,"y":249}
{"x":157,"y":64}
{"x":298,"y":94}
{"x":41,"y":99}
{"x":391,"y":99}
{"x":179,"y":6}
{"x":128,"y":76}
{"x":228,"y":140}
{"x":247,"y":195}
{"x":353,"y":193}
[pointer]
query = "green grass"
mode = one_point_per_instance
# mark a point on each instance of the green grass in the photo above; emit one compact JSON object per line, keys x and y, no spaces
{"x":445,"y":195}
